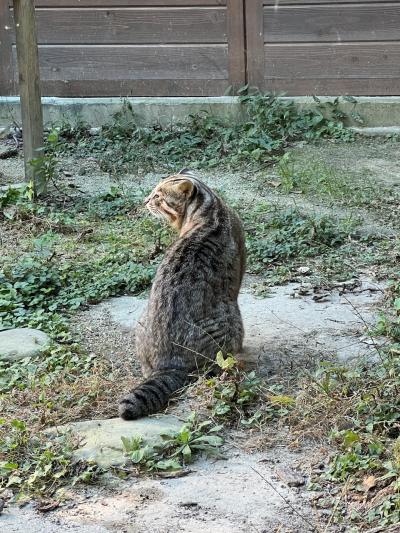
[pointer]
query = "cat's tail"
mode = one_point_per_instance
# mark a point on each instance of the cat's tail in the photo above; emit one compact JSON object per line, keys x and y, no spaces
{"x":153,"y":394}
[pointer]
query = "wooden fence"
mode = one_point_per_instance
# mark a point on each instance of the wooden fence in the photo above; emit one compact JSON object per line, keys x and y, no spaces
{"x":209,"y":47}
{"x":324,"y":47}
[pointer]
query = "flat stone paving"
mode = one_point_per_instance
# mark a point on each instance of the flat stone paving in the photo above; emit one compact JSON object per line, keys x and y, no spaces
{"x":19,"y":343}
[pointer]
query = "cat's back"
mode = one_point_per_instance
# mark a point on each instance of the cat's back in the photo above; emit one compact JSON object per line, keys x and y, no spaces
{"x":209,"y":259}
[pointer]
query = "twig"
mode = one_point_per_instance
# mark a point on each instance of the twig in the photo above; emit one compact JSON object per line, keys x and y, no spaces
{"x":193,"y":351}
{"x":206,"y":332}
{"x":366,"y":325}
{"x":314,"y":528}
{"x":334,"y":510}
{"x":391,"y":529}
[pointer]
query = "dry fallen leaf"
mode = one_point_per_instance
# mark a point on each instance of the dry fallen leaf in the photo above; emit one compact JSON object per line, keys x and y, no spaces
{"x":44,"y":506}
{"x":274,"y":183}
{"x":369,"y":483}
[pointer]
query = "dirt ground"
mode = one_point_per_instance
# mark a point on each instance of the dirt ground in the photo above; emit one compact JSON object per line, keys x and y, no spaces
{"x":250,"y":490}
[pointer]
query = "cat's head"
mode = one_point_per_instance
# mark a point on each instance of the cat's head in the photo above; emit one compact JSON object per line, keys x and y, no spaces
{"x":176,"y":196}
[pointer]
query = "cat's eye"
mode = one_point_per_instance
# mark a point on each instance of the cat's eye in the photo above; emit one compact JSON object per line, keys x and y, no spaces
{"x":156,"y":196}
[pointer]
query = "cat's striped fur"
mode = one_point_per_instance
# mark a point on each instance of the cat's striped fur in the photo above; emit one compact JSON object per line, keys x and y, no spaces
{"x":192,"y":311}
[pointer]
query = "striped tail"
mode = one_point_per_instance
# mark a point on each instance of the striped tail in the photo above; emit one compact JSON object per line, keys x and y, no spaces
{"x":152,"y":395}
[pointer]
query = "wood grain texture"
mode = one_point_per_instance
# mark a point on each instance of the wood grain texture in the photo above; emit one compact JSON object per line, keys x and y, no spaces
{"x":236,"y":44}
{"x":334,"y":87}
{"x":332,"y":23}
{"x":6,"y":62}
{"x":130,"y":87}
{"x":131,"y":26}
{"x":279,"y":3}
{"x":334,"y":61}
{"x":29,"y":89}
{"x":255,"y":42}
{"x":133,"y":62}
{"x":131,"y":3}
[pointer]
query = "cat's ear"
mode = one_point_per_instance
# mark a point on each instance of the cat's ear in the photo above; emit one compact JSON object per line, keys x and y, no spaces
{"x":185,"y":171}
{"x":185,"y":187}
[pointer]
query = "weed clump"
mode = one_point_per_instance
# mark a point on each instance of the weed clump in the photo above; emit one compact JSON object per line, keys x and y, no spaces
{"x":178,"y":448}
{"x":238,"y":398}
{"x":33,"y":465}
{"x":360,"y":405}
{"x":276,"y":235}
{"x":203,"y":140}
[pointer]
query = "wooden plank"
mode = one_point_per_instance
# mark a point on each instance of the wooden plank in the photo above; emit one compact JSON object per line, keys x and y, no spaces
{"x":236,"y":44}
{"x":330,"y":23}
{"x":255,"y":42}
{"x":333,"y":87}
{"x":29,"y":89}
{"x":6,"y":61}
{"x":131,"y":3}
{"x":136,"y":62}
{"x":279,"y":3}
{"x":131,"y":25}
{"x":335,"y":61}
{"x":131,"y":87}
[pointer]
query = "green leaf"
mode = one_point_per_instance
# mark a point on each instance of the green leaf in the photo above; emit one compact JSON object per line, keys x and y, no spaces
{"x":14,"y":480}
{"x":350,"y":438}
{"x":227,"y":363}
{"x":187,"y":453}
{"x":7,"y":467}
{"x":18,"y":424}
{"x":168,"y":464}
{"x":137,"y":455}
{"x":222,"y":409}
{"x":212,"y":440}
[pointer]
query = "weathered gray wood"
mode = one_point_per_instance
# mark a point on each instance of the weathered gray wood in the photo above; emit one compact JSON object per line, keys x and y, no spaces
{"x":236,"y":44}
{"x":332,"y":87}
{"x":6,"y":63}
{"x":142,"y":3}
{"x":135,"y":62}
{"x":130,"y":87}
{"x":131,"y":25}
{"x":29,"y":88}
{"x":332,"y":23}
{"x":255,"y":42}
{"x":334,"y":61}
{"x":310,"y":2}
{"x":201,"y":47}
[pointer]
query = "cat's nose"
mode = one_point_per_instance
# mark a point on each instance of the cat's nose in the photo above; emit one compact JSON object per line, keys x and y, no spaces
{"x":147,"y":200}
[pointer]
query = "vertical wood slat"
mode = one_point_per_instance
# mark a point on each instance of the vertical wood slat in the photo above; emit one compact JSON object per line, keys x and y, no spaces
{"x":29,"y":88}
{"x":254,"y":11}
{"x":236,"y":44}
{"x":6,"y":60}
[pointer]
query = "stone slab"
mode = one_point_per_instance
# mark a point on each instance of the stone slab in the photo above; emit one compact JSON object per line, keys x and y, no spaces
{"x":19,"y":343}
{"x":284,"y":324}
{"x":101,"y":439}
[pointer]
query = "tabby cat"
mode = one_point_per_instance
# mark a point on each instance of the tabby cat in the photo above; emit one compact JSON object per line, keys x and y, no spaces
{"x":193,"y":310}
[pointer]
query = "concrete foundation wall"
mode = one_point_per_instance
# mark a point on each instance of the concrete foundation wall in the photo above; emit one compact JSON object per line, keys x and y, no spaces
{"x":377,"y":112}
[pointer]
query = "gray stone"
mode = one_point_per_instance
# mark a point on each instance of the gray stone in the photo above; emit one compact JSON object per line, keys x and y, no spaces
{"x":16,"y":344}
{"x":101,"y":439}
{"x":125,"y":310}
